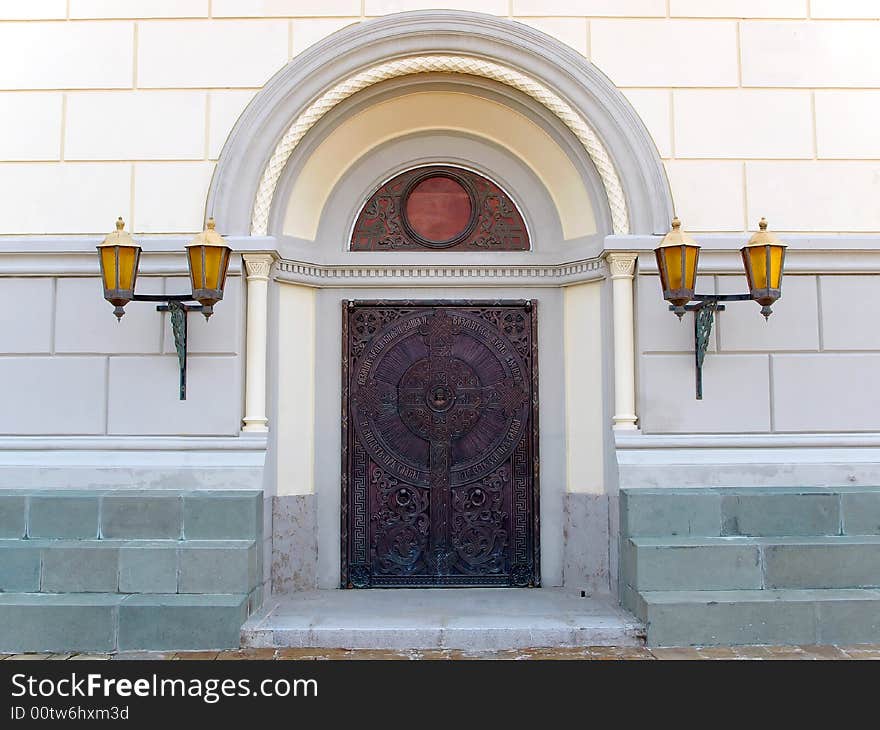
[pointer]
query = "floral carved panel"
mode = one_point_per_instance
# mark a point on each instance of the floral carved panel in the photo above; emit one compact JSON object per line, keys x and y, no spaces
{"x":440,"y":208}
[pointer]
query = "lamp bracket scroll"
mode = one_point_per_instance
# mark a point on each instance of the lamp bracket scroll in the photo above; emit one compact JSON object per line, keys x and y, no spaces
{"x":179,"y":312}
{"x":176,"y":306}
{"x":704,"y":318}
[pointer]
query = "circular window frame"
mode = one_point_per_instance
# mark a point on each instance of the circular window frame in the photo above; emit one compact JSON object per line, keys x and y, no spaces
{"x":432,"y":172}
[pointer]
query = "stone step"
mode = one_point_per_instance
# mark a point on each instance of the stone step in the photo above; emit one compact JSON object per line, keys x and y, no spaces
{"x":107,"y":622}
{"x":129,"y":566}
{"x":735,"y":563}
{"x":720,"y":511}
{"x":705,"y":618}
{"x":131,"y":514}
{"x":477,"y":619}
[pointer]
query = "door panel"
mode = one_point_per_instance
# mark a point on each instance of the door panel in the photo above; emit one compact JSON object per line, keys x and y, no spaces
{"x":439,"y":444}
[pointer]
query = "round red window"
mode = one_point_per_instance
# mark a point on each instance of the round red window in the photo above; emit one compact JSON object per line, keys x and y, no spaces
{"x":439,"y":209}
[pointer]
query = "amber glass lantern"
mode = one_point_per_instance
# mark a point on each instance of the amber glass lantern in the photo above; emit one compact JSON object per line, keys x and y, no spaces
{"x":677,"y":257}
{"x":208,"y":257}
{"x":763,"y":258}
{"x":119,"y":256}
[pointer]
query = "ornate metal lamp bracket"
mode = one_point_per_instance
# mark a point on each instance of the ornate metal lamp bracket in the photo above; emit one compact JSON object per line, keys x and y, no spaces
{"x":175,"y":305}
{"x":704,"y":317}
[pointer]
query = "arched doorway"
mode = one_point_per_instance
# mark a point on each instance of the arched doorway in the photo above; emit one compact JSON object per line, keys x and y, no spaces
{"x":466,"y":92}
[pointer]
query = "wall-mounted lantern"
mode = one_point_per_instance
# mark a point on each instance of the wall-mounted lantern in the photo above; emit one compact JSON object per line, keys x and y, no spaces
{"x":119,"y":256}
{"x":208,"y":258}
{"x":677,"y":257}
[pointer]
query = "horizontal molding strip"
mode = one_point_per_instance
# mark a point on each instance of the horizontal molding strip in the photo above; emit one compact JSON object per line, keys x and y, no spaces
{"x":76,"y":255}
{"x":639,"y":441}
{"x":732,"y":242}
{"x":425,"y":275}
{"x":127,"y":462}
{"x":255,"y":443}
{"x":856,"y":253}
{"x":164,"y":256}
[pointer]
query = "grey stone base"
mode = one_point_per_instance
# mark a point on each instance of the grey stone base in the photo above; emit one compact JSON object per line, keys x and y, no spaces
{"x":752,"y":566}
{"x":703,"y":618}
{"x":586,"y":556}
{"x":96,"y":570}
{"x":586,"y":542}
{"x":294,"y":543}
{"x":106,"y":622}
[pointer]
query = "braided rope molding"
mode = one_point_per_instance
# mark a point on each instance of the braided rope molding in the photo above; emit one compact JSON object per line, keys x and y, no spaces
{"x":447,"y":64}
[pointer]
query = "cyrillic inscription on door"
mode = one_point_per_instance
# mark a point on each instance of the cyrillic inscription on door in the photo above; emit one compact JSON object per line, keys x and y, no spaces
{"x":439,"y":444}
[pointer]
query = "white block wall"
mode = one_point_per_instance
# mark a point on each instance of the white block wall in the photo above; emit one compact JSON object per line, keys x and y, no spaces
{"x":68,"y":368}
{"x":811,"y":367}
{"x":121,"y":107}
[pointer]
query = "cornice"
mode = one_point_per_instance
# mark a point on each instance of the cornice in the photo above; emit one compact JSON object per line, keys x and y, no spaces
{"x":431,"y":274}
{"x":852,"y":253}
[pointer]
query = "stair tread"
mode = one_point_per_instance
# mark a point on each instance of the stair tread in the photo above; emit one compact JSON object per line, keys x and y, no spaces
{"x":113,"y":599}
{"x":93,"y":542}
{"x":736,"y":491}
{"x":762,"y":595}
{"x":740,"y":540}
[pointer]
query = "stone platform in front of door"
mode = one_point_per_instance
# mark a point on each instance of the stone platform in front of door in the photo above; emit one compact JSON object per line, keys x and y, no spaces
{"x":480,"y":619}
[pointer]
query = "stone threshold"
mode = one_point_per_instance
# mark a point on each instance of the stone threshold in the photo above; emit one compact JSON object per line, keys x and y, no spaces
{"x":473,"y":619}
{"x":870,"y":652}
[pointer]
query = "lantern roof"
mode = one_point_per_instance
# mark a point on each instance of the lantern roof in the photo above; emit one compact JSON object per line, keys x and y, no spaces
{"x":677,"y":237}
{"x":119,"y":237}
{"x":763,"y":237}
{"x":209,"y":236}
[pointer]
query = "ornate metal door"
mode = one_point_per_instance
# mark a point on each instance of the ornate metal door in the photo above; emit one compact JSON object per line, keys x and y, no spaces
{"x":440,"y":483}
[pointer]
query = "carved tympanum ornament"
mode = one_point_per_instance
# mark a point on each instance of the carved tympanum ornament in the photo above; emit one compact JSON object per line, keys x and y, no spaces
{"x":440,"y":441}
{"x":440,"y":207}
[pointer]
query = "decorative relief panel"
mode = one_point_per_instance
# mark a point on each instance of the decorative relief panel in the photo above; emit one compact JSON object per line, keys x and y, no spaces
{"x":439,"y":444}
{"x":440,"y":208}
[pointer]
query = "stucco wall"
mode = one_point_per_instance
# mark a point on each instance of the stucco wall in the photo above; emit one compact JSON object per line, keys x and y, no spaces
{"x":294,"y":423}
{"x":587,"y":422}
{"x":121,"y":107}
{"x":808,"y":368}
{"x":68,"y":368}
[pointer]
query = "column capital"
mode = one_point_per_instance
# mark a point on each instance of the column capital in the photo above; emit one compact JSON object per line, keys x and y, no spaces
{"x":258,"y":265}
{"x":622,"y":264}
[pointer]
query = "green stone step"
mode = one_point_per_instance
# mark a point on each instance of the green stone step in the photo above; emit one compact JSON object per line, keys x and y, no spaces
{"x":736,"y":563}
{"x":131,"y":514}
{"x":719,"y":511}
{"x":107,"y":622}
{"x":129,"y":566}
{"x":705,"y":618}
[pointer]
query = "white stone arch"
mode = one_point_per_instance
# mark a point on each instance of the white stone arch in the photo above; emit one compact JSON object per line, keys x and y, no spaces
{"x":387,"y":115}
{"x":242,"y":190}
